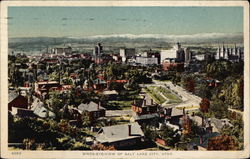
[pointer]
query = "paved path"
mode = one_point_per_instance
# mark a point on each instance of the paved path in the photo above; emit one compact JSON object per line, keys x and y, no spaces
{"x":235,"y":110}
{"x":118,"y":112}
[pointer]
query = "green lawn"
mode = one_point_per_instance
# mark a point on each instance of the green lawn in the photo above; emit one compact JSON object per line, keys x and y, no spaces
{"x":153,"y":91}
{"x":124,"y":100}
{"x":167,"y":93}
{"x":158,"y":98}
{"x":119,"y":105}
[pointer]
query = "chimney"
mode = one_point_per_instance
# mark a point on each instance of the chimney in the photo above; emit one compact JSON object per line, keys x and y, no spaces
{"x":184,"y":113}
{"x":202,"y":121}
{"x":192,"y":113}
{"x":152,"y":101}
{"x":98,"y":106}
{"x":129,"y":130}
{"x":134,"y":102}
{"x":144,"y":102}
{"x":201,"y":140}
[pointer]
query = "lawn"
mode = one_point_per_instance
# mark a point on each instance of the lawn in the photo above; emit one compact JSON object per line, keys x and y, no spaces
{"x":168,"y":94}
{"x":123,"y":101}
{"x":158,"y":98}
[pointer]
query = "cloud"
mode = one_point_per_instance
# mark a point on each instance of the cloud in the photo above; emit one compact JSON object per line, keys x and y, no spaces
{"x":199,"y":36}
{"x":9,"y":18}
{"x":91,"y":19}
{"x":122,"y":19}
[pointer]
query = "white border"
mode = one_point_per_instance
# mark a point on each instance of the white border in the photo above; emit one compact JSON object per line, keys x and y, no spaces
{"x":133,"y":154}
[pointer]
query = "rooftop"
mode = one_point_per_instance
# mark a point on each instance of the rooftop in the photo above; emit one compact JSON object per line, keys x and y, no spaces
{"x":119,"y":132}
{"x":90,"y":107}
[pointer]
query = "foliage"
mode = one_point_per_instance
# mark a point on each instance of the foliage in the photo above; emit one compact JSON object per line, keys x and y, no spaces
{"x":218,"y":108}
{"x":53,"y":135}
{"x":85,"y":118}
{"x":204,"y":105}
{"x":222,"y":142}
{"x":169,"y":135}
{"x":187,"y":126}
{"x":236,"y":131}
{"x":101,"y":147}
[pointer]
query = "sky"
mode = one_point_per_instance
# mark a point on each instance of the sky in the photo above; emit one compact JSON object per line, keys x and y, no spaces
{"x":91,"y":21}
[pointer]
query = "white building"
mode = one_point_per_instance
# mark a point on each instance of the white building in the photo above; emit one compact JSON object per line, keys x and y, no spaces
{"x":147,"y":60}
{"x":127,"y":53}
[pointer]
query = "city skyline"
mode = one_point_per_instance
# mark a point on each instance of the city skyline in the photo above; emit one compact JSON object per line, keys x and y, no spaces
{"x":93,"y":21}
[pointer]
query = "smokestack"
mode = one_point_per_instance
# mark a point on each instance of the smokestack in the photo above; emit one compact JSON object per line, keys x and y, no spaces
{"x":201,"y":140}
{"x":129,"y":130}
{"x":98,"y":106}
{"x":144,"y":102}
{"x":202,"y":121}
{"x":152,"y":102}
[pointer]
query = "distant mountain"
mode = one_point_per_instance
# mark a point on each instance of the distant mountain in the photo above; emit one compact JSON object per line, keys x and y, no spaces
{"x":194,"y":38}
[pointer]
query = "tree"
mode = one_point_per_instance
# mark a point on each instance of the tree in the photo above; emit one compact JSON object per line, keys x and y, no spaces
{"x":169,"y":135}
{"x":187,"y":126}
{"x":204,"y":105}
{"x":86,"y":121}
{"x":218,"y":108}
{"x":222,"y":142}
{"x":102,"y":147}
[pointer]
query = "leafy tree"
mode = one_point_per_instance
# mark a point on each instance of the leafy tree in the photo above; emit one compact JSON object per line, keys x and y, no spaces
{"x":218,"y":108}
{"x":86,"y":121}
{"x":222,"y":142}
{"x":101,"y":147}
{"x":187,"y":126}
{"x":204,"y":105}
{"x":169,"y":135}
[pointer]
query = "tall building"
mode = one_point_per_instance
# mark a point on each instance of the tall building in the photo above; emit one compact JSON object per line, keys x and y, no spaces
{"x":62,"y":51}
{"x":127,"y":53}
{"x":188,"y":55}
{"x":98,"y":50}
{"x":233,"y":54}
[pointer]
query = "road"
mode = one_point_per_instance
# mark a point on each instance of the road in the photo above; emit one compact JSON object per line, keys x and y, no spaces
{"x":236,"y":111}
{"x":111,"y":113}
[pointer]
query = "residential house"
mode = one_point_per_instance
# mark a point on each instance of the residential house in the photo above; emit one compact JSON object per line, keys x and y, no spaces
{"x":172,"y":115}
{"x":39,"y":109}
{"x":45,"y":86}
{"x":22,"y":113}
{"x":17,"y":100}
{"x":144,"y":109}
{"x":93,"y":109}
{"x":110,"y":94}
{"x":120,"y":136}
{"x":99,"y":84}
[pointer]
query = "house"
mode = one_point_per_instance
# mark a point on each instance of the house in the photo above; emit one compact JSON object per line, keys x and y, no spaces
{"x":110,"y":94}
{"x":93,"y":109}
{"x":172,"y":115}
{"x":144,"y":106}
{"x":22,"y":113}
{"x":120,"y":136}
{"x":171,"y":64}
{"x":45,"y":86}
{"x":218,"y":124}
{"x":39,"y":109}
{"x":17,"y":100}
{"x":99,"y":84}
{"x":144,"y":110}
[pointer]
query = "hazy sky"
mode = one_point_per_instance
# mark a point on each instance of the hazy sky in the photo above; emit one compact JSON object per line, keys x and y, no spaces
{"x":88,"y":21}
